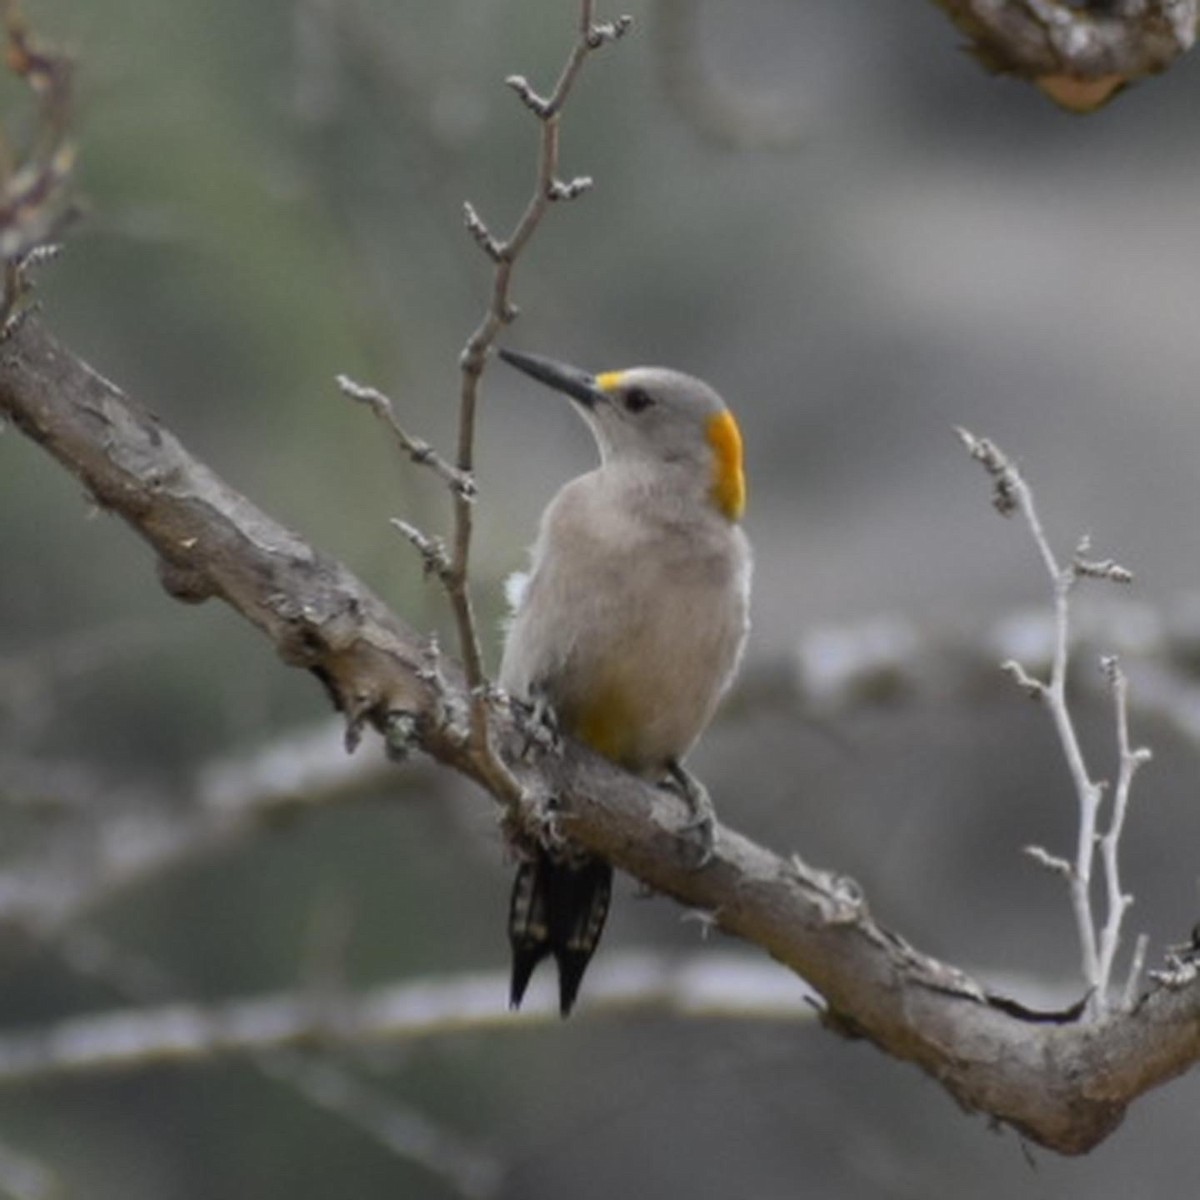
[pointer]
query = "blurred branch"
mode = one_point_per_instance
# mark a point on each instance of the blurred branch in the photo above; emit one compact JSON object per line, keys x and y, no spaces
{"x":708,"y":985}
{"x":702,"y":985}
{"x":1080,"y":54}
{"x":34,"y":180}
{"x":24,"y":1178}
{"x":96,"y":856}
{"x":717,"y":112}
{"x":895,"y":660}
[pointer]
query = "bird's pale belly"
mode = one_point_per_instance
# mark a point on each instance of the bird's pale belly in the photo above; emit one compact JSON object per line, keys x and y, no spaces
{"x":643,"y":696}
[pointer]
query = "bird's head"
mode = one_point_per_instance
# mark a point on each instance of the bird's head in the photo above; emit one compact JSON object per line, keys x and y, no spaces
{"x":653,"y":414}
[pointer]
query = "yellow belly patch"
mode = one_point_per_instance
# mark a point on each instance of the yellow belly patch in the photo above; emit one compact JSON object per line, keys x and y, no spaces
{"x":607,"y":723}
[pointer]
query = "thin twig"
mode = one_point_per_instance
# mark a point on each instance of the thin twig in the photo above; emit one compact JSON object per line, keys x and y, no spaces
{"x":431,"y":549}
{"x":420,"y":451}
{"x":1012,"y":494}
{"x":1089,"y":792}
{"x":499,"y":312}
{"x":1129,"y":760}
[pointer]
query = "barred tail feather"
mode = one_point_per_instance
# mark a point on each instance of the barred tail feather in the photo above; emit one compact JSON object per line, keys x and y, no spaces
{"x":558,"y":907}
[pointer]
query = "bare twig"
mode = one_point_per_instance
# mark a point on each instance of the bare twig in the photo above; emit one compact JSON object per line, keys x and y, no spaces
{"x":1097,"y":947}
{"x":431,"y":549}
{"x":1052,"y":862}
{"x":707,"y":985}
{"x":420,"y":451}
{"x":500,"y":311}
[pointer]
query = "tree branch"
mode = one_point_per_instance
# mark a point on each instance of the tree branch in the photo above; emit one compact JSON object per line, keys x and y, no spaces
{"x":1063,"y":1084}
{"x":1080,"y":55}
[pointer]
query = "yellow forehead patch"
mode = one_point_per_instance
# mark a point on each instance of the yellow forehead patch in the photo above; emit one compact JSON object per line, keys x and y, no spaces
{"x":729,"y":482}
{"x":609,"y":381}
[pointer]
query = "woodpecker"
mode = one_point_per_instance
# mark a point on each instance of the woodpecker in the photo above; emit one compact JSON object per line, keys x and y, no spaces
{"x":630,"y":623}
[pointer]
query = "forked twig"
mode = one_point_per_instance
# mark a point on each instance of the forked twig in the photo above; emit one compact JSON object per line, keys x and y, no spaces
{"x":419,"y":450}
{"x":450,"y":564}
{"x":1098,"y":945}
{"x":500,"y":311}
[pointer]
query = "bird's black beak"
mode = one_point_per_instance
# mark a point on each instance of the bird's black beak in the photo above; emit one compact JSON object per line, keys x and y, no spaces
{"x":577,"y":384}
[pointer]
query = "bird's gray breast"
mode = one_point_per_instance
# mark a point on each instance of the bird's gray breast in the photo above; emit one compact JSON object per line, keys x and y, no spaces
{"x":630,"y":625}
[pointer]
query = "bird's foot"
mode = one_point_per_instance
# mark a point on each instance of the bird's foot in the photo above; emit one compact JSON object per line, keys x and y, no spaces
{"x":539,"y":727}
{"x":701,"y":830}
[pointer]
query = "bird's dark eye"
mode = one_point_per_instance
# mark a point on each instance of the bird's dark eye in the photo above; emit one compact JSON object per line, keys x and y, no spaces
{"x":637,"y":400}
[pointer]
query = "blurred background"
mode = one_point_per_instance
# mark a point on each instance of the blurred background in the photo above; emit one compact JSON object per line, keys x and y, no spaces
{"x":897,"y":244}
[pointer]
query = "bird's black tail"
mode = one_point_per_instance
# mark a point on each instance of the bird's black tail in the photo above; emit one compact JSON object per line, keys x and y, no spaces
{"x":559,"y":905}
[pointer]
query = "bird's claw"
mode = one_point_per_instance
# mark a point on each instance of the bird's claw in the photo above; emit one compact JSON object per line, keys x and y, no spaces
{"x":540,"y":728}
{"x":701,"y":829}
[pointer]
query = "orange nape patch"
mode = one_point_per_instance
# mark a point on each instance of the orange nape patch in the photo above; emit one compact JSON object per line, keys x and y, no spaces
{"x":729,"y":483}
{"x":609,"y":381}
